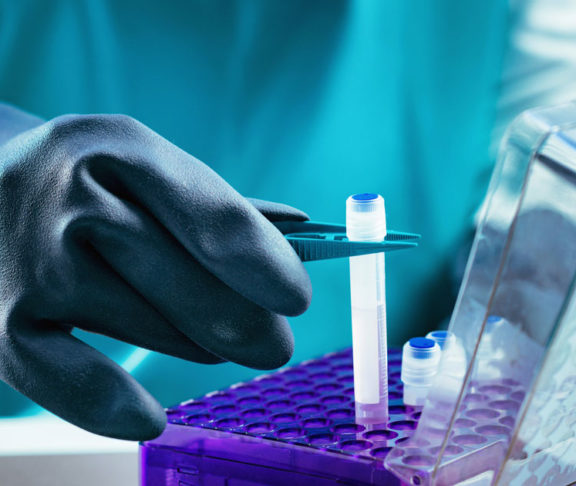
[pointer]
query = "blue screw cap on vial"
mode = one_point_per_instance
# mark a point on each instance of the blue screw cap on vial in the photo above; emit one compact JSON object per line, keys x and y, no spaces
{"x":365,"y":217}
{"x":366,"y":205}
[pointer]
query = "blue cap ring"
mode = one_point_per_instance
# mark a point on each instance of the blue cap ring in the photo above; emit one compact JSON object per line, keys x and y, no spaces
{"x":421,"y":343}
{"x":365,"y":196}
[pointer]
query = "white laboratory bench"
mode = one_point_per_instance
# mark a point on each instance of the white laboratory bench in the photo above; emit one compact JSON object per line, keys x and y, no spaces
{"x":46,"y":451}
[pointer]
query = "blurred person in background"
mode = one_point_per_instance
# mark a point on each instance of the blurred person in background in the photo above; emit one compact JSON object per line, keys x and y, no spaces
{"x":300,"y":102}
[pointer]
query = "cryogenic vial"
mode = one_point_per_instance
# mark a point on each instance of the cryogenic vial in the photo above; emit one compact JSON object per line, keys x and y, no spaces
{"x":443,"y":338}
{"x":366,"y":221}
{"x":420,"y":359}
{"x":452,"y":365}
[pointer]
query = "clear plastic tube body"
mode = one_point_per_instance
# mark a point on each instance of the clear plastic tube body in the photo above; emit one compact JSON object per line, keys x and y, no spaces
{"x":366,"y":221}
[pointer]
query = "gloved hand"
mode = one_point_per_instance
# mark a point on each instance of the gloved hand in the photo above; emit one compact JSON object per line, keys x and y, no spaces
{"x":106,"y":226}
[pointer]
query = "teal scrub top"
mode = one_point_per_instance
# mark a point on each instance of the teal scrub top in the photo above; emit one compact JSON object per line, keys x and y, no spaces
{"x":302,"y":102}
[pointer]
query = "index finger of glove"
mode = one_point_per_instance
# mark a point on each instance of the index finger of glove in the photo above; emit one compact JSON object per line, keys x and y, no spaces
{"x":218,"y":226}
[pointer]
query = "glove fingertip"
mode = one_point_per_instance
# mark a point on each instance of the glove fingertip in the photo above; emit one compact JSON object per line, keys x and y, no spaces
{"x":278,"y":355}
{"x":141,"y":421}
{"x":300,"y":297}
{"x":153,"y":426}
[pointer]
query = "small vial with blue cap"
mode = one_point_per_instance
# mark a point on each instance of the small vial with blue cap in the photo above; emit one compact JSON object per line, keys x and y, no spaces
{"x":496,"y":349}
{"x":452,"y":366}
{"x":443,"y":338}
{"x":420,"y":359}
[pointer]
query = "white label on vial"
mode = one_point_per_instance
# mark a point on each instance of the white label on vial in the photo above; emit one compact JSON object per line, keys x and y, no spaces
{"x":368,"y":327}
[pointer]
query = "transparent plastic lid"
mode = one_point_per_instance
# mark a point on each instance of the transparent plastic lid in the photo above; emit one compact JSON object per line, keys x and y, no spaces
{"x":502,"y":409}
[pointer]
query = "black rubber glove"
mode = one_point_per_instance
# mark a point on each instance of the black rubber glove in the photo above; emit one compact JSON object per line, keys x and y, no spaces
{"x":106,"y":226}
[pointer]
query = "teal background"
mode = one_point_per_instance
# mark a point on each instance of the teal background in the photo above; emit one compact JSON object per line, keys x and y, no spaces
{"x":302,"y":102}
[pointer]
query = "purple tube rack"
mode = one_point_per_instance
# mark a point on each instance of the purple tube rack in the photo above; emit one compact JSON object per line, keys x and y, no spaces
{"x":477,"y":442}
{"x":294,"y":426}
